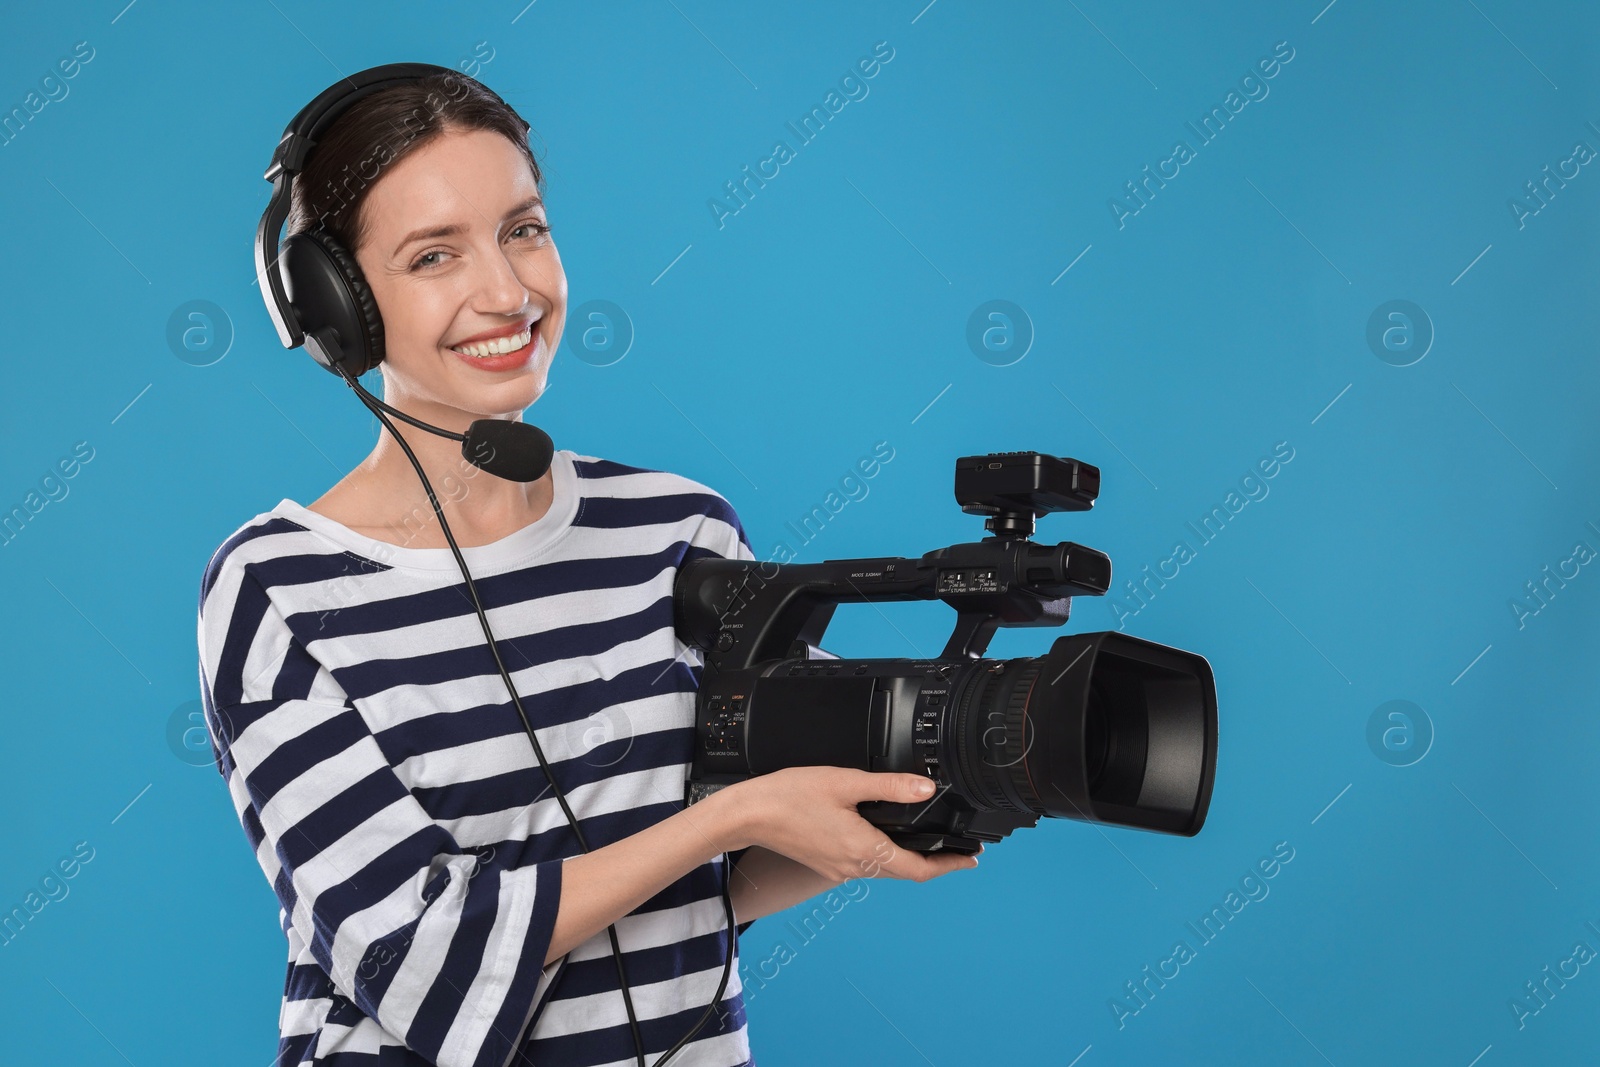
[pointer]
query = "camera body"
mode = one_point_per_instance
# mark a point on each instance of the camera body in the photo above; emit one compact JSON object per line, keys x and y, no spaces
{"x":1104,"y":727}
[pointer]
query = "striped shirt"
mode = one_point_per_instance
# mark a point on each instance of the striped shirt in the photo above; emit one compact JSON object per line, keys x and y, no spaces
{"x":388,"y":788}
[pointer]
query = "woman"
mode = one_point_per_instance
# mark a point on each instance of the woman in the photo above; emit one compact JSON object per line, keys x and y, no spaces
{"x":438,"y":906}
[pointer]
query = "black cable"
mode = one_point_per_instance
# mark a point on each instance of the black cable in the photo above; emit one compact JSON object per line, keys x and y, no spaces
{"x":716,"y":998}
{"x":616,"y":949}
{"x":370,"y":400}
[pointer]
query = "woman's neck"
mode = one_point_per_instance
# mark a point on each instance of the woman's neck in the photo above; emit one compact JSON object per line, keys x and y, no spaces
{"x":384,"y":499}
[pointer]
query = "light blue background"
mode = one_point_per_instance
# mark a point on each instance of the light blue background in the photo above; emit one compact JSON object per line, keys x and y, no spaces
{"x":826,"y":315}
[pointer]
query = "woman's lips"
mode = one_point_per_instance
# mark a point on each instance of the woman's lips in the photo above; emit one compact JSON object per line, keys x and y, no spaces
{"x":504,"y":362}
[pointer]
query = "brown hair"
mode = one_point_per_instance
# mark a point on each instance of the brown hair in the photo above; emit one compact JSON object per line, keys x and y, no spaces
{"x":383,"y":128}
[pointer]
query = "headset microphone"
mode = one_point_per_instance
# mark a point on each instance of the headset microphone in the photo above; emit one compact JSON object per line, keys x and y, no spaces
{"x":318,"y":297}
{"x":515,"y":451}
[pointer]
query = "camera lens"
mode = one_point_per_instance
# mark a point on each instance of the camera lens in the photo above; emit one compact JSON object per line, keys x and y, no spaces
{"x":1096,"y":737}
{"x":1117,"y":691}
{"x":992,"y":734}
{"x":1122,"y":731}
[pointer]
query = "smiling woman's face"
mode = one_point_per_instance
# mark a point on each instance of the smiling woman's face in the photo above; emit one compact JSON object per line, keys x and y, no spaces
{"x":457,"y":247}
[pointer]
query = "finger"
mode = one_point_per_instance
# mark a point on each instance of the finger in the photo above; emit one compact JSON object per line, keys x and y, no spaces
{"x":895,"y":786}
{"x":920,"y":866}
{"x":946,"y":862}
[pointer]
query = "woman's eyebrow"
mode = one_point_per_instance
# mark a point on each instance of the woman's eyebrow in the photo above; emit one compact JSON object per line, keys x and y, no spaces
{"x":454,"y":228}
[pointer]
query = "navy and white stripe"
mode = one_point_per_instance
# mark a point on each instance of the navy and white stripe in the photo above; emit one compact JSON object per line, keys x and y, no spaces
{"x":384,"y":779}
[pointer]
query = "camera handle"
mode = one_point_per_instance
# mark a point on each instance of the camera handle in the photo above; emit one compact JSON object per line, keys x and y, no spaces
{"x":743,"y":612}
{"x":975,"y":629}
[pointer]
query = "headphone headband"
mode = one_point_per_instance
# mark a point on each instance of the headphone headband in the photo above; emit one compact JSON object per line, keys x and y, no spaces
{"x":299,"y":137}
{"x":314,"y":119}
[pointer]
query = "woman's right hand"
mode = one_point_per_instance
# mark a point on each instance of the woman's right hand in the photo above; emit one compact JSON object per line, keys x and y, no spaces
{"x":809,"y":814}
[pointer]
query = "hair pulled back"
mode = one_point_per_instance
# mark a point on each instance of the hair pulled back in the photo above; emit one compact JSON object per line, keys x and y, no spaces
{"x":380,"y":130}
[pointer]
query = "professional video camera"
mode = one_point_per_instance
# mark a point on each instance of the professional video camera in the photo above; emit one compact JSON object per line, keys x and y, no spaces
{"x":1103,"y":728}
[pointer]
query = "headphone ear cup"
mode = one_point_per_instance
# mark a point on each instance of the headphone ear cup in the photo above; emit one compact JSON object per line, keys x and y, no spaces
{"x":331,"y":300}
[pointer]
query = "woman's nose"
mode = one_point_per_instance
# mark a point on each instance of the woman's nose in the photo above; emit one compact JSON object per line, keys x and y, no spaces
{"x":502,"y":289}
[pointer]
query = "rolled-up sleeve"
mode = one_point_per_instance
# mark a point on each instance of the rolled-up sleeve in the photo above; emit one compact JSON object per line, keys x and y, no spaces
{"x":442,"y":946}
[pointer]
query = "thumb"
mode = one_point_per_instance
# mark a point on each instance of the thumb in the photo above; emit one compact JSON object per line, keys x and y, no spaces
{"x":909,"y":788}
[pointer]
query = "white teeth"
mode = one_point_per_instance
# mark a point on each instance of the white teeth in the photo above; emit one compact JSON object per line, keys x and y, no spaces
{"x":498,"y":347}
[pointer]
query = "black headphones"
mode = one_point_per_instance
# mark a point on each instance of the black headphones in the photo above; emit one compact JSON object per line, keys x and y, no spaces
{"x":318,"y":298}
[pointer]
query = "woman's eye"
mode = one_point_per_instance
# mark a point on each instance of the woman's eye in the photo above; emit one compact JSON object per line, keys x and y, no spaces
{"x":423,"y":262}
